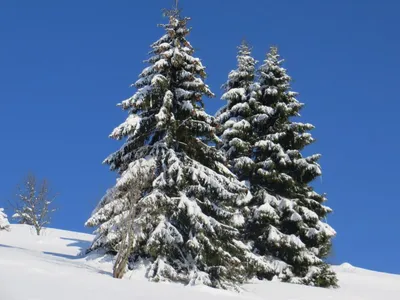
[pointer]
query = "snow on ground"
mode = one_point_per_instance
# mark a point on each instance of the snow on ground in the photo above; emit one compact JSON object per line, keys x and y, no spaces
{"x":50,"y":267}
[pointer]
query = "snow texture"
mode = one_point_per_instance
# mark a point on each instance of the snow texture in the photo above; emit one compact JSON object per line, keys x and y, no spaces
{"x":51,"y":267}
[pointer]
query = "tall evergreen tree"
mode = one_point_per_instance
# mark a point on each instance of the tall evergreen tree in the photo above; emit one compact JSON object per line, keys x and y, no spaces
{"x":235,"y":130}
{"x":238,"y":138}
{"x":284,"y":220}
{"x":185,"y":218}
{"x":287,"y":214}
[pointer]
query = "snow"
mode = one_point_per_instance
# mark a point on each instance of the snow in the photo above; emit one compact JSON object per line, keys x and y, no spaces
{"x":4,"y":224}
{"x":50,"y":266}
{"x":132,"y":124}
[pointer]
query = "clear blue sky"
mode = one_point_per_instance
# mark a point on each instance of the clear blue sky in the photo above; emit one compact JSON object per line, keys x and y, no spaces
{"x":64,"y":65}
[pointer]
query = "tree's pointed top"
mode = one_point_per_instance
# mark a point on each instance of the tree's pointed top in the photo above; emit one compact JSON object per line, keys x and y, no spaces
{"x":273,"y":54}
{"x":244,"y":48}
{"x":174,"y":12}
{"x":245,"y":45}
{"x":273,"y":50}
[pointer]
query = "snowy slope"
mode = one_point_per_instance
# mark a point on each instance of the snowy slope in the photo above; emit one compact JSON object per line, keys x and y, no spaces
{"x":50,"y":267}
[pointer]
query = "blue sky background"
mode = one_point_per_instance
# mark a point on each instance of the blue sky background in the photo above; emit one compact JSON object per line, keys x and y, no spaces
{"x":64,"y":65}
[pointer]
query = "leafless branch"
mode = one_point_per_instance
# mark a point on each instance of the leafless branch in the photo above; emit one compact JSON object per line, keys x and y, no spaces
{"x":33,"y":204}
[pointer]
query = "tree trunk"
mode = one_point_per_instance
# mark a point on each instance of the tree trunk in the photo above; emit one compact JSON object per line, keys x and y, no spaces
{"x":126,"y":246}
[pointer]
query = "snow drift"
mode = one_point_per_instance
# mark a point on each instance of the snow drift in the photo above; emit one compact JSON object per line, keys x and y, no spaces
{"x":51,"y":267}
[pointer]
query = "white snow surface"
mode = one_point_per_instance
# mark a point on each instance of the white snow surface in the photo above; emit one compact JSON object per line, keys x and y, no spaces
{"x":51,"y":267}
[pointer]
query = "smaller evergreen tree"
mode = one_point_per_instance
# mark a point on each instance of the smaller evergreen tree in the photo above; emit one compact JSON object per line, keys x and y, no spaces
{"x":4,"y":224}
{"x":235,"y":130}
{"x":287,"y":214}
{"x":238,"y":139}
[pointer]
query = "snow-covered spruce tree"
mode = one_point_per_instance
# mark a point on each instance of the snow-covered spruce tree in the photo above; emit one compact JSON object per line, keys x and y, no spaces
{"x":4,"y":224}
{"x":287,"y":214}
{"x":186,"y":215}
{"x":235,"y":129}
{"x":238,"y":139}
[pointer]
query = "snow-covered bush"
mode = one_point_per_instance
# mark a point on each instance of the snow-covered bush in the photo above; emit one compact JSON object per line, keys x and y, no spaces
{"x":4,"y":224}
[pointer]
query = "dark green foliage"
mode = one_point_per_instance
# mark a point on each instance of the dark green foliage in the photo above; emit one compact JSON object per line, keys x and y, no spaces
{"x":186,"y":216}
{"x":263,"y":144}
